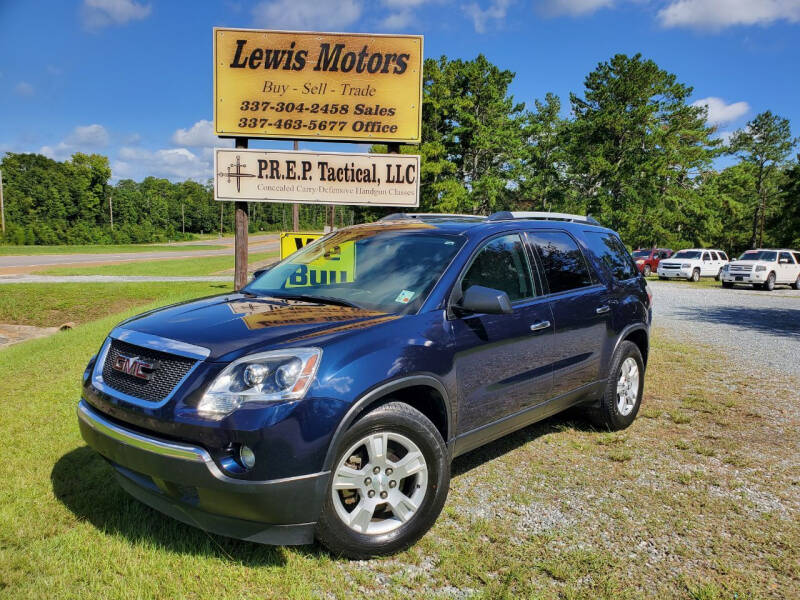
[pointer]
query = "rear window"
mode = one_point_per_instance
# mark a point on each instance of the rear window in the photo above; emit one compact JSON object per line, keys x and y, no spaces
{"x":612,"y":253}
{"x":564,"y":264}
{"x":641,"y":254}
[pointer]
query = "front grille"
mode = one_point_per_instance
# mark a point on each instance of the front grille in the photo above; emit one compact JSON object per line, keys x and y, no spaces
{"x":670,"y":266}
{"x":170,"y":370}
{"x":741,"y":268}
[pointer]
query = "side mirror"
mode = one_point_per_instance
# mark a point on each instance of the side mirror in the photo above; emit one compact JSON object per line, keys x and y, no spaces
{"x":259,"y":272}
{"x":479,"y":299}
{"x":784,"y":261}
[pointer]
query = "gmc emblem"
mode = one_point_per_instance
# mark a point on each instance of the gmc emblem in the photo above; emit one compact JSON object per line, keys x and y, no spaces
{"x":134,"y":366}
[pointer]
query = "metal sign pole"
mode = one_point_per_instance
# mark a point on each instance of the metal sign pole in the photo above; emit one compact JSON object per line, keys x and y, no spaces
{"x":296,"y":206}
{"x":240,"y":242}
{"x":2,"y":209}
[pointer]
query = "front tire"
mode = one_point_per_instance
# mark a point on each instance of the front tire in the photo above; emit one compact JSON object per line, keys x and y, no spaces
{"x":623,"y":394}
{"x":695,"y":276}
{"x":727,"y":284}
{"x":769,"y":285}
{"x":647,"y":271}
{"x":389,"y":483}
{"x":796,"y":284}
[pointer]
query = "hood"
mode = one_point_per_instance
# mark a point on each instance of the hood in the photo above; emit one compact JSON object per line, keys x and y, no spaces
{"x":239,"y":324}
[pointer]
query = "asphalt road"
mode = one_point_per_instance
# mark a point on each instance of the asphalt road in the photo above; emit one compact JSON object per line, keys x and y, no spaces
{"x":755,"y":329}
{"x":24,"y":264}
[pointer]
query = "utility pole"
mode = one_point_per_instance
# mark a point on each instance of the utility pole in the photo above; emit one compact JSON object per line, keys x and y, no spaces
{"x":111,"y":208}
{"x":183,"y":220}
{"x":241,"y":222}
{"x":221,"y":215}
{"x":296,"y":206}
{"x":2,"y":210}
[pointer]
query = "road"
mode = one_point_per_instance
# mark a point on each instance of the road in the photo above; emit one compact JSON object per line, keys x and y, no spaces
{"x":754,"y":328}
{"x":27,"y":264}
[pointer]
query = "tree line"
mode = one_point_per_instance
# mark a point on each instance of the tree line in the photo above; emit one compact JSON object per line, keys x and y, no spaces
{"x":631,"y":151}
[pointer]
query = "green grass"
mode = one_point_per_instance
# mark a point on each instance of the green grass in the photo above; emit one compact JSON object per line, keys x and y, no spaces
{"x":556,"y":510}
{"x":99,"y":249}
{"x":704,"y":281}
{"x":52,"y":304}
{"x":202,"y":265}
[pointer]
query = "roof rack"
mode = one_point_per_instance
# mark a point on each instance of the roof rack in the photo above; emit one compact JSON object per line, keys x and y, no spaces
{"x":427,"y":216}
{"x":506,"y":215}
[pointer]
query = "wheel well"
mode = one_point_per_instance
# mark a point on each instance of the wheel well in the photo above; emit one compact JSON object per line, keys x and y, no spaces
{"x":425,"y":399}
{"x":639,"y":337}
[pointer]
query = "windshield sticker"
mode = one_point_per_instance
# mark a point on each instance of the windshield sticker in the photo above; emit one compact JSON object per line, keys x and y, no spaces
{"x":404,"y":297}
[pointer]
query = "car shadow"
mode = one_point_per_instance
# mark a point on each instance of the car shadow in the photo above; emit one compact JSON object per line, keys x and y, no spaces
{"x":85,"y":483}
{"x":784,"y":322}
{"x":570,"y":419}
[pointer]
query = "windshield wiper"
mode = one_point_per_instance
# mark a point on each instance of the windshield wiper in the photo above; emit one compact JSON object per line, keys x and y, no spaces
{"x":320,"y":299}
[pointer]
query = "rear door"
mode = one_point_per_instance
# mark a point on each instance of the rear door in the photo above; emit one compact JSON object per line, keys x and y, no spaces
{"x":503,"y":362}
{"x":786,"y":268}
{"x":581,"y":307}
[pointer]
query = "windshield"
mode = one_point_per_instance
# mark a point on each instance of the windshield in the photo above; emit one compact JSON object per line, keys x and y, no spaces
{"x":376,"y":268}
{"x":765,"y":255}
{"x":687,"y":254}
{"x":641,"y":254}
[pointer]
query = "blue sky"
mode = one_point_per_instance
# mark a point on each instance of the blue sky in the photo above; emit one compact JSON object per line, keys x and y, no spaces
{"x":132,"y":78}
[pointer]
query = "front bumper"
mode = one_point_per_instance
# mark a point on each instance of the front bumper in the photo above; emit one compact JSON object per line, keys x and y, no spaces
{"x":751,"y":277}
{"x":185,"y":483}
{"x":675,"y":273}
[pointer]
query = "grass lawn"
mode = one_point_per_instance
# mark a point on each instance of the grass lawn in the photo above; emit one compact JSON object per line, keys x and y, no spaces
{"x":203,"y":265}
{"x":697,"y":499}
{"x":704,"y":281}
{"x":51,"y":304}
{"x":99,"y":249}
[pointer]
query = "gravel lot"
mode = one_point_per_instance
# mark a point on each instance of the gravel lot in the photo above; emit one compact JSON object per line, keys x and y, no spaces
{"x":757,"y":329}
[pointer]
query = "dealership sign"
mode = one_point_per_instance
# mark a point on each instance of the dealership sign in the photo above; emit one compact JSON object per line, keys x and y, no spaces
{"x":321,"y":86}
{"x":316,"y":177}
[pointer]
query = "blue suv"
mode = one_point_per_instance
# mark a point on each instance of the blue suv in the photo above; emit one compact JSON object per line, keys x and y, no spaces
{"x":328,"y":397}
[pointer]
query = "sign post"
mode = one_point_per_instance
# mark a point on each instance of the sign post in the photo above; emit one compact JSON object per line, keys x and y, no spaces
{"x":364,"y":88}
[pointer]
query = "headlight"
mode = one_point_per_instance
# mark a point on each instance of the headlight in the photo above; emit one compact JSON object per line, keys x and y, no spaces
{"x":686,"y":266}
{"x":639,"y":262}
{"x":761,"y":268}
{"x":265,"y":377}
{"x":725,"y":267}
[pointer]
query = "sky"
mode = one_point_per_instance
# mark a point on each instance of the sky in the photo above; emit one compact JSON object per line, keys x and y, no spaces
{"x":132,"y":79}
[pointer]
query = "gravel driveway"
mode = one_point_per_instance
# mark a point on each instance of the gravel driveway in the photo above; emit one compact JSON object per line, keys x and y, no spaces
{"x":760,"y":329}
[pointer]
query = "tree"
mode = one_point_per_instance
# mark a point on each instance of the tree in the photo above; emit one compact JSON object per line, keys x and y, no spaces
{"x":765,"y":143}
{"x":635,"y":148}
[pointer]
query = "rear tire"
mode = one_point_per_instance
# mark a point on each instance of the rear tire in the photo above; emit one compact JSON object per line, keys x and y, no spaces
{"x":647,"y":271}
{"x":663,"y":278}
{"x":719,"y":275}
{"x":727,"y":284}
{"x":695,"y":276}
{"x":769,"y":285}
{"x":796,"y":284}
{"x":367,"y":470}
{"x":623,"y":394}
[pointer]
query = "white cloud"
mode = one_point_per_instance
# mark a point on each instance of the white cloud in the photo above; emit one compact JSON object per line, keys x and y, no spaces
{"x":572,"y":8}
{"x":201,"y":134}
{"x":717,"y":14}
{"x":307,"y":14}
{"x":720,"y":113}
{"x":397,"y":20}
{"x":177,"y":164}
{"x":23,"y":88}
{"x":495,"y":11}
{"x":87,"y":138}
{"x":102,"y":13}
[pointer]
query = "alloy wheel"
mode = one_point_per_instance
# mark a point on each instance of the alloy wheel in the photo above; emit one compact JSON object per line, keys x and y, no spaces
{"x":627,"y":386}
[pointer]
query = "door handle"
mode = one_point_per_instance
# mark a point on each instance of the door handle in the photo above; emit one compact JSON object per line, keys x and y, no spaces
{"x":602,"y":309}
{"x":538,"y":326}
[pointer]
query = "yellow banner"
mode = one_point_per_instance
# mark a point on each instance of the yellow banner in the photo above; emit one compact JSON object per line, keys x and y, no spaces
{"x":321,"y":86}
{"x":292,"y":241}
{"x":335,"y":267}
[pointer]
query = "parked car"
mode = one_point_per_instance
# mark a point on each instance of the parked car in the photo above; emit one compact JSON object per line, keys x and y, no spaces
{"x":693,"y":263}
{"x":647,"y":260}
{"x":328,"y":397}
{"x":764,"y":269}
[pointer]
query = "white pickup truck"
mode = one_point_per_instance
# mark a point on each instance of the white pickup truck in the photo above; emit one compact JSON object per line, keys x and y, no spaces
{"x":764,"y":269}
{"x":692,"y":264}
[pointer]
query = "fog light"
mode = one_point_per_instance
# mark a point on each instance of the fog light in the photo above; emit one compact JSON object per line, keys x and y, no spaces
{"x":246,"y":457}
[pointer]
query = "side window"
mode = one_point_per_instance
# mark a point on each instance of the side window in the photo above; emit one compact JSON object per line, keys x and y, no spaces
{"x":797,"y":257}
{"x":787,"y":256}
{"x":562,"y":260}
{"x":714,"y":255}
{"x":501,"y":265}
{"x":706,"y":256}
{"x":723,"y":256}
{"x":612,"y":253}
{"x":663,"y":254}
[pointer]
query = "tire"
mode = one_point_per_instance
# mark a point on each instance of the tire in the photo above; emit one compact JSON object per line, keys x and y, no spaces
{"x":796,"y":284}
{"x":394,"y":427}
{"x":647,"y":271}
{"x":719,"y":275}
{"x":727,"y":284}
{"x":695,"y":276}
{"x":663,"y":278}
{"x":609,"y":414}
{"x":769,"y":284}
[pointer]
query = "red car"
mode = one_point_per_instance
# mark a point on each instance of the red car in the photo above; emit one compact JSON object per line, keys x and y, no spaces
{"x":647,"y":260}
